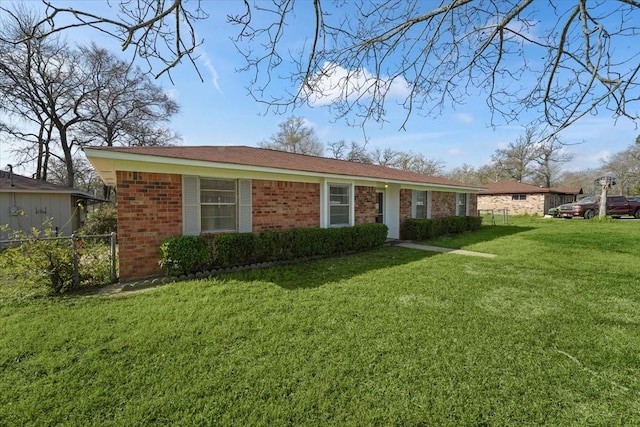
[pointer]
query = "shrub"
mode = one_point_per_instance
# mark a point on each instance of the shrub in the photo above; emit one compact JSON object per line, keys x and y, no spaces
{"x":39,"y":259}
{"x":94,"y":266}
{"x":185,"y":254}
{"x":424,"y":229}
{"x":100,"y":221}
{"x":188,"y":254}
{"x":245,"y":248}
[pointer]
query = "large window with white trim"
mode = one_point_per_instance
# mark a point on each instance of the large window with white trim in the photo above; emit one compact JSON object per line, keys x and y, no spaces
{"x":419,"y":200}
{"x":339,"y":204}
{"x":218,"y":205}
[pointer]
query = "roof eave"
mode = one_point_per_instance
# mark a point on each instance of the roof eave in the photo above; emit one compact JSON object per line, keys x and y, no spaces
{"x":149,"y":158}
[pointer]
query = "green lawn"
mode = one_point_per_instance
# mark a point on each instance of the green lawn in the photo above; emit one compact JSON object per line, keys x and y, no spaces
{"x":546,"y":333}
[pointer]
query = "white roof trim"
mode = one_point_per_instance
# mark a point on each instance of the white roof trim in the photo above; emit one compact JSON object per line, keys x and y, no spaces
{"x":149,"y":158}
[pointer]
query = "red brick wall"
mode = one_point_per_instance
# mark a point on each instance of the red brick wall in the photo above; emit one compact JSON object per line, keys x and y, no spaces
{"x":442,"y":204}
{"x":149,"y":210}
{"x":281,"y":205}
{"x":365,"y":205}
{"x":473,"y":204}
{"x":405,"y":204}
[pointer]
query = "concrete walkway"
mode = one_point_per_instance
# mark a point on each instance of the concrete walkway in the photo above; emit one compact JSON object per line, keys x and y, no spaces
{"x":443,"y":250}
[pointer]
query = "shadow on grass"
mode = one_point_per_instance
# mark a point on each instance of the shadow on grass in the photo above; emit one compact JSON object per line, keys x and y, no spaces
{"x":484,"y":234}
{"x":316,"y":273}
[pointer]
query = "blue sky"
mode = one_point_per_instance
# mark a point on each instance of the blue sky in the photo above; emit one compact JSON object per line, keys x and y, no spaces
{"x":219,"y":111}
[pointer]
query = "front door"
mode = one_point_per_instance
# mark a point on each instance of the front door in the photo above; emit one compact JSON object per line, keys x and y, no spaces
{"x":380,"y":207}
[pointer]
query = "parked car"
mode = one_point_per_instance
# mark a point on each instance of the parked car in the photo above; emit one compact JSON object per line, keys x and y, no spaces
{"x":634,"y":199}
{"x":589,"y":207}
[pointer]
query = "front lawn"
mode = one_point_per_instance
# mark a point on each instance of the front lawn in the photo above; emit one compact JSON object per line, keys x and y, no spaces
{"x":547,"y":333}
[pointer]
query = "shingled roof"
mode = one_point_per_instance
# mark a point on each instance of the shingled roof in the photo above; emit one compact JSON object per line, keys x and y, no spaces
{"x":11,"y":182}
{"x":278,"y":160}
{"x":513,"y":187}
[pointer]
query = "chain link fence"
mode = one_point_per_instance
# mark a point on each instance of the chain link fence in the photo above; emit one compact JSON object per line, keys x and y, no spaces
{"x":93,"y":257}
{"x":494,"y":216}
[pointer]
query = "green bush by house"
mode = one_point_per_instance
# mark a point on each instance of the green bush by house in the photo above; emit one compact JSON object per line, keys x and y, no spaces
{"x":184,"y":254}
{"x":423,"y":229}
{"x":189,"y":254}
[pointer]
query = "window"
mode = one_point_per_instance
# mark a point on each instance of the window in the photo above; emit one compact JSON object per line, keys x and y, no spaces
{"x":461,"y":204}
{"x":419,"y":201}
{"x":339,"y":205}
{"x":519,"y":197}
{"x":218,"y":205}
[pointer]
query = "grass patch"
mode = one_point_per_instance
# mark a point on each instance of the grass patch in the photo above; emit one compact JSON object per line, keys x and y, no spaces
{"x":546,"y":333}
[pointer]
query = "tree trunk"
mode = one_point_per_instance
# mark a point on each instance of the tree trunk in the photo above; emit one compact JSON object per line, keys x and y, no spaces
{"x":604,"y":183}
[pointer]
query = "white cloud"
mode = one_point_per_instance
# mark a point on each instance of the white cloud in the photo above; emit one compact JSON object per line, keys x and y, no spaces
{"x":335,"y":84}
{"x":464,"y":117}
{"x":455,"y":152}
{"x":600,"y":156}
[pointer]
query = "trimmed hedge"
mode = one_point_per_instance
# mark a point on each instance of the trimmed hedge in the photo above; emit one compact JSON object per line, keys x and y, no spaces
{"x":185,"y":254}
{"x":423,"y":229}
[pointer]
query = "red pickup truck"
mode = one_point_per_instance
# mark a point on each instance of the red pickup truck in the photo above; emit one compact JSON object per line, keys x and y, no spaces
{"x":589,"y":207}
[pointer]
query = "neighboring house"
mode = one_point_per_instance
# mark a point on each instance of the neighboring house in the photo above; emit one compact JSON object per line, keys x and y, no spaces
{"x":26,"y":203}
{"x":519,"y":198}
{"x":169,"y":191}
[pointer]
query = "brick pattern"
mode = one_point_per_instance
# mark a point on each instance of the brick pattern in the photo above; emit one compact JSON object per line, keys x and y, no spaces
{"x":473,"y":204}
{"x":533,"y":205}
{"x":282,"y":205}
{"x":405,"y":204}
{"x":443,"y":204}
{"x":365,"y":205}
{"x":149,"y":210}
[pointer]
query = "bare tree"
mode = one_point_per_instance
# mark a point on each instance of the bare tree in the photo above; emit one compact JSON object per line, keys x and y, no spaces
{"x":581,"y":179}
{"x":57,"y":99}
{"x":86,"y":178}
{"x":549,"y":158}
{"x":126,"y":107}
{"x":427,"y":54}
{"x":407,"y":160}
{"x":23,"y":122}
{"x":160,"y":32}
{"x":625,"y":167}
{"x":295,"y":136}
{"x":516,"y":160}
{"x":464,"y":173}
{"x":491,"y":173}
{"x":419,"y":163}
{"x":41,"y":79}
{"x":352,"y":151}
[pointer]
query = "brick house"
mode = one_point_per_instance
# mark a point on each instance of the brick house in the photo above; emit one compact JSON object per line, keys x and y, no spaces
{"x":519,"y":198}
{"x":168,"y":191}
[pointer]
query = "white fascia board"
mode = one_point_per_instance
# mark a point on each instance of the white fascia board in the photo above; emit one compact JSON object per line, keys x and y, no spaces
{"x":132,"y":163}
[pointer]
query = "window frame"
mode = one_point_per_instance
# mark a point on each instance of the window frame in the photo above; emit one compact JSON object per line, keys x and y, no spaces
{"x":235,"y":205}
{"x":462,"y":204}
{"x":518,"y":197}
{"x":416,"y":205}
{"x":349,"y":205}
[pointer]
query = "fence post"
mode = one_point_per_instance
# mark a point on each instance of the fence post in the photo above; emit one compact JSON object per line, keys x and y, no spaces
{"x":76,"y":271}
{"x":112,"y":257}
